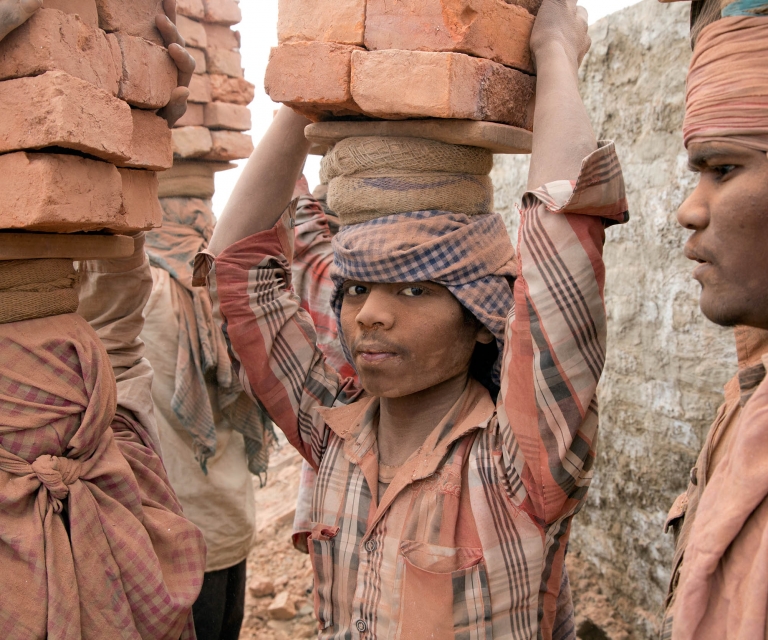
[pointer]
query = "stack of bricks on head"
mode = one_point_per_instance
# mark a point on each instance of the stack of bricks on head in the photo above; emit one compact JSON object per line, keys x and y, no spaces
{"x":463,"y":61}
{"x":81,"y":146}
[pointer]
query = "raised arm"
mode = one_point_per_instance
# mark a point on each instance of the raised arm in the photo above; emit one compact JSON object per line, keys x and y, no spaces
{"x":266,"y":186}
{"x":555,"y":346}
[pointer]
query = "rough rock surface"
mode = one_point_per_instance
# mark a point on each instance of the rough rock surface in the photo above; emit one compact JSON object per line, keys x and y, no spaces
{"x":666,"y":363}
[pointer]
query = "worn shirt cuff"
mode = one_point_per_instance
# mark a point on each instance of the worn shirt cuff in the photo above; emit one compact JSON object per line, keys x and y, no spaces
{"x":598,"y":191}
{"x":276,"y":243}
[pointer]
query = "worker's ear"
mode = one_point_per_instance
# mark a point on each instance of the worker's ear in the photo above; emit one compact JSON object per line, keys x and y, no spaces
{"x":484,"y":336}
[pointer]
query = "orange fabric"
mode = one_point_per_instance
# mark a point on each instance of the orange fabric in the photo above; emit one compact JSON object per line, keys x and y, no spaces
{"x":727,"y":98}
{"x":92,"y":542}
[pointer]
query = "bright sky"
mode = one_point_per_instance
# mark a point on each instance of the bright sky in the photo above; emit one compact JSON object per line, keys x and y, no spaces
{"x":258,"y":30}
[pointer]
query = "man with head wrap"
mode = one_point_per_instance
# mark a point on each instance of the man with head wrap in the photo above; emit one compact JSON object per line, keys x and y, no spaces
{"x":447,"y":483}
{"x":719,"y":586}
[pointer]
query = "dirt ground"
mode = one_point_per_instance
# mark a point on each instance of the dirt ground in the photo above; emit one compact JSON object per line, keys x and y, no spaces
{"x":278,"y":602}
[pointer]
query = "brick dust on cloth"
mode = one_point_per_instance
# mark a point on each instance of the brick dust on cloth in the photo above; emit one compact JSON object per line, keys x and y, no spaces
{"x":92,"y":540}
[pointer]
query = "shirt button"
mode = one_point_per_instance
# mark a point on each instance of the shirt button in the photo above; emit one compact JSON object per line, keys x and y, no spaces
{"x":361,"y":626}
{"x":370,"y":546}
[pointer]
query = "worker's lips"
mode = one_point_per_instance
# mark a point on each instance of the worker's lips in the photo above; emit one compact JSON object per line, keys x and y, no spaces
{"x":702,"y":258}
{"x":376,"y":354}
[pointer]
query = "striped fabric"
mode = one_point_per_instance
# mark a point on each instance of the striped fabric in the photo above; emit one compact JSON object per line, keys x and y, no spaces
{"x":469,"y":539}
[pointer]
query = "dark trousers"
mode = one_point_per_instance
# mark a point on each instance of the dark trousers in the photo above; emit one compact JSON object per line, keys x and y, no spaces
{"x":219,"y":609}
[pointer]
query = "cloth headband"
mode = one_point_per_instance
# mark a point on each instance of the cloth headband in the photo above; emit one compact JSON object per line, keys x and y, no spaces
{"x":472,"y":256}
{"x":727,"y":95}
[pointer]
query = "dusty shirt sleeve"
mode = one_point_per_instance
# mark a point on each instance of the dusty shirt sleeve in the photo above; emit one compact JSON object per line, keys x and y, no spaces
{"x":112,"y":298}
{"x":272,"y":340}
{"x":556,"y":338}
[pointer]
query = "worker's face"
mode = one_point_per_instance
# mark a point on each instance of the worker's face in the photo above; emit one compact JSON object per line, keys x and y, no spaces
{"x":728,"y":214}
{"x":405,"y":338}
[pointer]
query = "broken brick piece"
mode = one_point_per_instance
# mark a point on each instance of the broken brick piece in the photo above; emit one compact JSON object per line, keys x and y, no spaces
{"x":224,"y":62}
{"x":56,"y":109}
{"x":222,"y":115}
{"x":439,"y":85}
{"x":86,"y":9}
{"x":313,"y":78}
{"x":229,"y":145}
{"x":131,"y":17}
{"x":235,"y":90}
{"x":70,"y":193}
{"x":194,"y":116}
{"x":221,"y":37}
{"x":193,"y":32}
{"x":340,"y":21}
{"x":191,"y":142}
{"x":151,"y":143}
{"x":226,"y":12}
{"x":141,"y":203}
{"x":200,"y":88}
{"x":149,"y":73}
{"x":191,"y":9}
{"x":54,"y":41}
{"x":201,"y":66}
{"x":483,"y":28}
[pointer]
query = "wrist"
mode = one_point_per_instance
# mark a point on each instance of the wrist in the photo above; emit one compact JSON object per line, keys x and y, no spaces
{"x":554,"y":55}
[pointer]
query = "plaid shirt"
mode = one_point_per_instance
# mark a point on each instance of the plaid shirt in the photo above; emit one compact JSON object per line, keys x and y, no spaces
{"x":469,"y":539}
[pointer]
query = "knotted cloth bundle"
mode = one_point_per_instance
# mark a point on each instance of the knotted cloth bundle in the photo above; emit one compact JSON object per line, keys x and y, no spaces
{"x":36,"y":289}
{"x":369,"y":177}
{"x":727,"y":96}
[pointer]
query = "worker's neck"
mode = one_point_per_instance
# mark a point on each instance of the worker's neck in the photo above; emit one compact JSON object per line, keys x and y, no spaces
{"x":406,"y":422}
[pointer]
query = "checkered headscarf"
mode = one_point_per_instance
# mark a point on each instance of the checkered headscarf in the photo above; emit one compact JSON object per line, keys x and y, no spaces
{"x":471,"y":256}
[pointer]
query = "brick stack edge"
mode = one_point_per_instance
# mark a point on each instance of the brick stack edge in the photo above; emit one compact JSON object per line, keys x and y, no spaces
{"x":80,"y":144}
{"x":210,"y":135}
{"x":405,"y":59}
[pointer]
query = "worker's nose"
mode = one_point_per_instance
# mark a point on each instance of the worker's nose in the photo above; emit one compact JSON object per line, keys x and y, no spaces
{"x":693,"y":214}
{"x":377,"y":310}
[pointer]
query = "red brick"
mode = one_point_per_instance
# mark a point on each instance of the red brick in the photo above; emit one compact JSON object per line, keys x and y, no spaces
{"x":483,"y":28}
{"x":229,"y":145}
{"x":221,"y":37}
{"x":224,"y":62}
{"x":340,"y":21}
{"x":51,"y":40}
{"x":190,"y":8}
{"x":131,"y":17}
{"x":151,"y":144}
{"x":225,"y":12}
{"x":201,"y":66}
{"x":56,"y":109}
{"x":439,"y":85}
{"x":194,"y":116}
{"x":313,"y":78}
{"x":86,"y":9}
{"x":222,"y":115}
{"x":71,"y":193}
{"x":200,"y":88}
{"x":193,"y":32}
{"x":189,"y":179}
{"x":191,"y":142}
{"x":141,"y":203}
{"x":149,"y":73}
{"x":235,"y":90}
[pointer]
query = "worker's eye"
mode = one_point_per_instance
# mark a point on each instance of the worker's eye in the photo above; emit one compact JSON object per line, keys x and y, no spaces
{"x":723,"y":170}
{"x":414,"y":292}
{"x":352,"y":290}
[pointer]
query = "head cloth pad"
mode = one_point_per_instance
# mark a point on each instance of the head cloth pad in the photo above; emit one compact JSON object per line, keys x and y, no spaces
{"x":471,"y":256}
{"x":727,"y":98}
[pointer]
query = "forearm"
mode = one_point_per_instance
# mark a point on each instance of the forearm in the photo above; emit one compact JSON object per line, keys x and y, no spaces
{"x":563,"y":134}
{"x":266,"y":185}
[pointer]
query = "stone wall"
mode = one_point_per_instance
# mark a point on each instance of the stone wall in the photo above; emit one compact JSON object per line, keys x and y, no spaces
{"x":666,"y":363}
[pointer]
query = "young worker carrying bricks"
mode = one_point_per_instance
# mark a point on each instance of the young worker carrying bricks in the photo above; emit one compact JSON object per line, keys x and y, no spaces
{"x":93,"y":543}
{"x":719,"y":583}
{"x":447,"y":483}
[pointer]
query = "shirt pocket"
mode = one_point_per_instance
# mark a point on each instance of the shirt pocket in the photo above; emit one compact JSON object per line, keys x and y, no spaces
{"x":322,"y":553}
{"x":444,"y":593}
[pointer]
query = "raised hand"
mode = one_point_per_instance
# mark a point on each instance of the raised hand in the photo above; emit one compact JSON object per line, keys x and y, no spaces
{"x":14,"y":13}
{"x":561,"y":24}
{"x":166,"y":23}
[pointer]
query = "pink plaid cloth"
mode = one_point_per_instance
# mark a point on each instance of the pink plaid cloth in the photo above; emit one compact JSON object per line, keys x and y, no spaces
{"x":92,"y":540}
